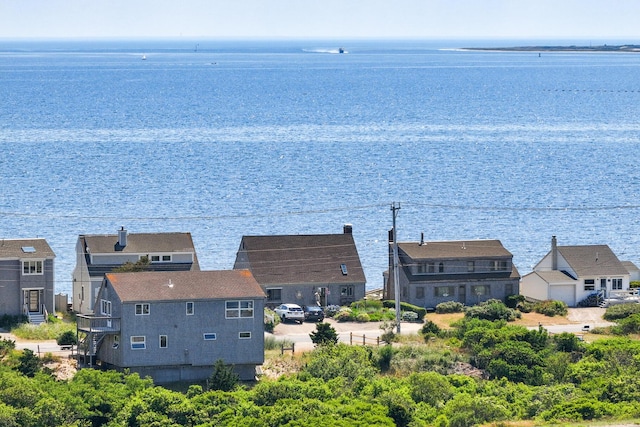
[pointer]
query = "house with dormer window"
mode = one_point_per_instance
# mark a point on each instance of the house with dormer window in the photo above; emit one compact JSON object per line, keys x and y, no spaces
{"x":470,"y":272}
{"x":573,"y":273}
{"x":26,"y":278}
{"x":97,"y":255}
{"x":311,"y":269}
{"x":174,"y":326}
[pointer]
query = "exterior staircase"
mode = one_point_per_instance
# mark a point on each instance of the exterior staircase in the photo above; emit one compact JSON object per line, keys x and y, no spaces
{"x":37,"y":318}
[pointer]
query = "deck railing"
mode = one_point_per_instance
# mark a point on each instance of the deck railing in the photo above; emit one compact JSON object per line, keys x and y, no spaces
{"x":97,"y":323}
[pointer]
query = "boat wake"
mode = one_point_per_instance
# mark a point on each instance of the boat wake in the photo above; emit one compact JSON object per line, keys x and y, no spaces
{"x":337,"y":50}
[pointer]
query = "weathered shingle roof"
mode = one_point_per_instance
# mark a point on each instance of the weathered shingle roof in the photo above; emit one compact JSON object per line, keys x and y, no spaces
{"x":303,"y":259}
{"x":592,"y":260}
{"x":454,"y":249}
{"x":140,"y":243}
{"x":184,"y":285}
{"x":17,"y":248}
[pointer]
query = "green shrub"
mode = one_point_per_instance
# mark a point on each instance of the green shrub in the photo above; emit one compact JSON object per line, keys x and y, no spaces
{"x":404,"y":306}
{"x":29,"y":363}
{"x":630,"y":325}
{"x":620,"y":311}
{"x":512,"y":301}
{"x":568,"y":343}
{"x":67,"y":338}
{"x":271,"y":320}
{"x":385,"y":354}
{"x":223,"y":377}
{"x":409,"y":316}
{"x":6,"y":345}
{"x":324,"y":334}
{"x":368,"y":305}
{"x":634,"y":284}
{"x":551,"y":308}
{"x":492,"y":309}
{"x":429,"y":329}
{"x":525,"y":307}
{"x":362,"y":318}
{"x":8,"y":322}
{"x":450,"y":307}
{"x":344,"y":315}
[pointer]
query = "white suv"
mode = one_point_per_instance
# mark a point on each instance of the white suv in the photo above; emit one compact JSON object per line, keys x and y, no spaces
{"x":290,"y":312}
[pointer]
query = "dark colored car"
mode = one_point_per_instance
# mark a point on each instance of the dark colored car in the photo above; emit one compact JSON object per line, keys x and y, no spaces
{"x":313,"y":313}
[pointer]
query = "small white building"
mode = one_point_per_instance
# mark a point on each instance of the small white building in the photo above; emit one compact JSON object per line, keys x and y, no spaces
{"x":572,"y":273}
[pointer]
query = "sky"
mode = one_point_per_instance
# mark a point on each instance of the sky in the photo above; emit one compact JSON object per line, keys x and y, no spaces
{"x":591,"y":20}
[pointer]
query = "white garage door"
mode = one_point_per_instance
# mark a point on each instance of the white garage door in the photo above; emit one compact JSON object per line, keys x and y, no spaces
{"x":563,"y":293}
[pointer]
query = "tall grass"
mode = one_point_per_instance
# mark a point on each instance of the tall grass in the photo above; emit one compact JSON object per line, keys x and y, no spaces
{"x":44,"y":331}
{"x":272,"y":343}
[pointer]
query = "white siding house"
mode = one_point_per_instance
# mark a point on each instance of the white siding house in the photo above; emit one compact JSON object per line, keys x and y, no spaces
{"x":573,"y":273}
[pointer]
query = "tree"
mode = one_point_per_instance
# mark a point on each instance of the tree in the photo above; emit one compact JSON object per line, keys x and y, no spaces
{"x":29,"y":363}
{"x":67,"y":338}
{"x":324,"y":334}
{"x":223,"y":377}
{"x":129,"y":267}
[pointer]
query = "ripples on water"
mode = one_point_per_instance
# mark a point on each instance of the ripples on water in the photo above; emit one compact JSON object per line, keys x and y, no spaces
{"x":268,"y":140}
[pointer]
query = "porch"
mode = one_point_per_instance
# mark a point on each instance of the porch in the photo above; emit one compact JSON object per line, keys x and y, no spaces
{"x":91,"y":330}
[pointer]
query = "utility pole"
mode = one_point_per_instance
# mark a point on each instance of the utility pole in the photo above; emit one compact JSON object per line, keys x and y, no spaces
{"x":396,"y":280}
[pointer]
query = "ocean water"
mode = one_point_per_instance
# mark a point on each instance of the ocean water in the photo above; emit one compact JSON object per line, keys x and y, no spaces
{"x":230,"y":138}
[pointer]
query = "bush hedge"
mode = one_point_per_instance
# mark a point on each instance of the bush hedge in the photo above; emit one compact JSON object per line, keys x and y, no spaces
{"x":405,"y":306}
{"x":621,"y":311}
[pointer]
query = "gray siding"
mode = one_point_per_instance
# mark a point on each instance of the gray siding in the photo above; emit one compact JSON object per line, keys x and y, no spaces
{"x":305,"y":294}
{"x":14,"y":283}
{"x":188,"y":355}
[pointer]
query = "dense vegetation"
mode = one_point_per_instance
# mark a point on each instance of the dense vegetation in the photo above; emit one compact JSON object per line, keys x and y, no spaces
{"x":480,"y":371}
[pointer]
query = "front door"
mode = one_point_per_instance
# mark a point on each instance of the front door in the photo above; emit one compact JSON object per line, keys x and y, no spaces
{"x":33,"y":301}
{"x":462,"y":294}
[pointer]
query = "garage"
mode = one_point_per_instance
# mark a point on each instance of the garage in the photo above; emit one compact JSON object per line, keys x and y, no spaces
{"x":566,"y":293}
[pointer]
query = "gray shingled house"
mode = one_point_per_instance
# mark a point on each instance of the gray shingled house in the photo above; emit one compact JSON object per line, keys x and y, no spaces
{"x":322,"y":269}
{"x":572,"y":273}
{"x":469,"y":272}
{"x":26,"y":278}
{"x":100,"y":254}
{"x":173,"y":326}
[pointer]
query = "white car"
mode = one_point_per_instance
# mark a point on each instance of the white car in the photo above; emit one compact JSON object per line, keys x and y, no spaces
{"x":290,"y":312}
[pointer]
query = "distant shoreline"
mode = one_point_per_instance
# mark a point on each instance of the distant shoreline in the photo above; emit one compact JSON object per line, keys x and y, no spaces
{"x":629,"y":48}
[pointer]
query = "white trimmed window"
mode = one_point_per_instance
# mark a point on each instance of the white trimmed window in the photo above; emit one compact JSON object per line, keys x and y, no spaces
{"x":31,"y":267}
{"x":497,"y":265}
{"x":105,"y":307}
{"x":116,"y":341}
{"x":138,"y":342}
{"x":616,"y":284}
{"x":443,"y":291}
{"x":142,"y":309}
{"x":244,"y":335}
{"x":480,"y":290}
{"x":160,"y":258}
{"x":190,"y":309}
{"x":238,"y":309}
{"x":209,"y":336}
{"x":164,"y":341}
